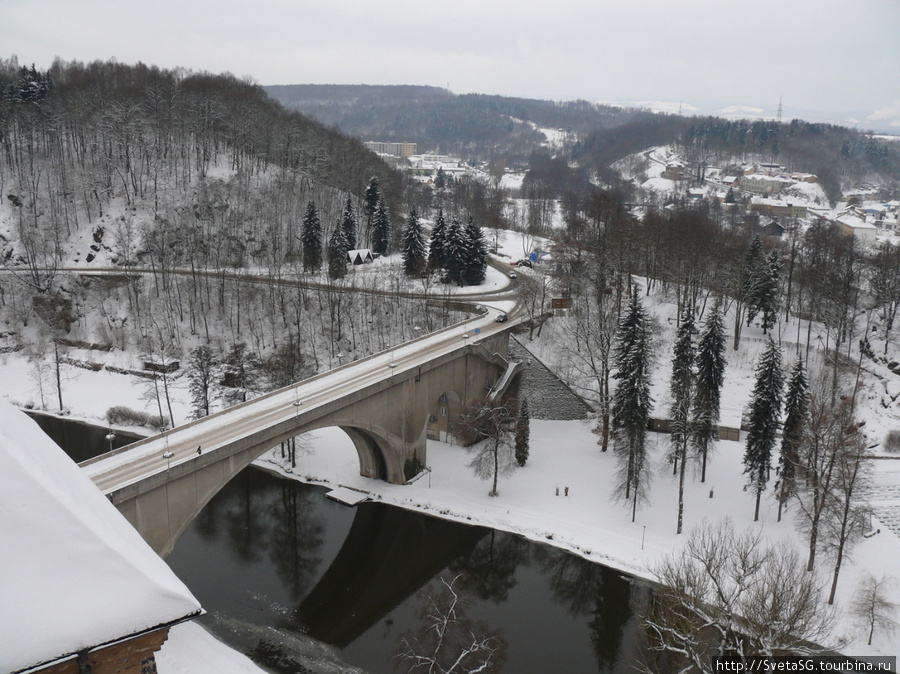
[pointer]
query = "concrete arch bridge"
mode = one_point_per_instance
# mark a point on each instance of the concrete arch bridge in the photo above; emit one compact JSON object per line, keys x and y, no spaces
{"x":387,"y":404}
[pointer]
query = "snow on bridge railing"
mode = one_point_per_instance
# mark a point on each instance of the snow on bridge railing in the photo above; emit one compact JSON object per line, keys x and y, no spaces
{"x":272,"y":394}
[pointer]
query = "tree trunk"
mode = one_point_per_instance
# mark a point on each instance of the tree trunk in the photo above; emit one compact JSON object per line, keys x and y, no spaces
{"x":681,"y":492}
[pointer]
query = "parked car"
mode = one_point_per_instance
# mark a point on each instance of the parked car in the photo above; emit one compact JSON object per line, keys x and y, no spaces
{"x":502,"y":318}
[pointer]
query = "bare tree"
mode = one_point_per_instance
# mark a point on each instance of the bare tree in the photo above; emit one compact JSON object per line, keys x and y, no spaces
{"x":725,"y":593}
{"x":448,"y":642}
{"x":872,"y":608}
{"x":488,"y":427}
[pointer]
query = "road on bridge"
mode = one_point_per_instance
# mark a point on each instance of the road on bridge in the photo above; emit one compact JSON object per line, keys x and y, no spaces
{"x":118,"y":469}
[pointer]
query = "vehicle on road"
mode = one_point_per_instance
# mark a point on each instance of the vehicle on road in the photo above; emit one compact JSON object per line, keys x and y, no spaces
{"x":511,"y":274}
{"x":502,"y":318}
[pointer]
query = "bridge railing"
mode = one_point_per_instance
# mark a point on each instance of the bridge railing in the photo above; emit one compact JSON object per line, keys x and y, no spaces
{"x":271,"y":394}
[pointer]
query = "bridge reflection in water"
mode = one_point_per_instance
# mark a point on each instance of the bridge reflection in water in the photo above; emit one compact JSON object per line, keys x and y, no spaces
{"x":278,"y":554}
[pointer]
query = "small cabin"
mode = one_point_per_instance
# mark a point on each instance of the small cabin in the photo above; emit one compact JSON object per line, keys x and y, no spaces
{"x":360,"y":256}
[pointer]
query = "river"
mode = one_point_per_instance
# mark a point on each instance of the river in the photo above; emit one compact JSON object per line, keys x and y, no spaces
{"x":280,"y":568}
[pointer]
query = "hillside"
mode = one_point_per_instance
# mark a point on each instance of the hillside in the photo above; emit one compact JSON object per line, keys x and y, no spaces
{"x":488,"y":128}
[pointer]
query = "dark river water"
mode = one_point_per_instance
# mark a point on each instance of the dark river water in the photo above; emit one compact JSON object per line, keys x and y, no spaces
{"x":280,"y":568}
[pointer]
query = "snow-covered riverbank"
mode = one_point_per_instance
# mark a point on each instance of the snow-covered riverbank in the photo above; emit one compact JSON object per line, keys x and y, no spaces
{"x":564,"y":454}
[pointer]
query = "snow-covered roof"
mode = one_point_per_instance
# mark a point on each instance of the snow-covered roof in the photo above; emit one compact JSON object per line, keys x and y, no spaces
{"x":75,"y":574}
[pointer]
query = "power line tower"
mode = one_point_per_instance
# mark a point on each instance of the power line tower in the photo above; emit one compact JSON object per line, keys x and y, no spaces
{"x":779,"y":109}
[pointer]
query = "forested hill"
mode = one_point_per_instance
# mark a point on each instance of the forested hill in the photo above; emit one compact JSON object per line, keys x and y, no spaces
{"x":81,"y":141}
{"x":481,"y":127}
{"x":474,"y":126}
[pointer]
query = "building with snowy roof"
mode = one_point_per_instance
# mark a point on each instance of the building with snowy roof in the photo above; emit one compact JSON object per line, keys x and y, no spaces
{"x":853,"y":222}
{"x":81,"y":589}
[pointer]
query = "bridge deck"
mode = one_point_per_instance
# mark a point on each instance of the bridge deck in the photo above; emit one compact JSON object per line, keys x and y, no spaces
{"x":134,"y":463}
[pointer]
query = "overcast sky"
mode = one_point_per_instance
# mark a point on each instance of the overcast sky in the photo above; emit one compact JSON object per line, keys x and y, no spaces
{"x":835,"y":59}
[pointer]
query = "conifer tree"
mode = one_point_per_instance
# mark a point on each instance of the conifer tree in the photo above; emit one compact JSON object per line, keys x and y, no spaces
{"x":708,"y":387}
{"x":437,"y":247}
{"x":632,"y":402}
{"x":770,"y":298}
{"x":457,"y":254}
{"x":381,"y":229}
{"x":796,"y":407}
{"x":370,"y":204}
{"x":523,"y":433}
{"x":765,"y":408}
{"x":413,"y":247}
{"x":311,"y":239}
{"x":348,"y":224}
{"x":337,"y":254}
{"x":476,"y":264}
{"x":680,"y":389}
{"x":757,"y":277}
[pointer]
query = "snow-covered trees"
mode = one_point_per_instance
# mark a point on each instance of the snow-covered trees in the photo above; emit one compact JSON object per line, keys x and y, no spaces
{"x":311,"y":239}
{"x":796,"y":405}
{"x":460,"y":250}
{"x":632,"y":403}
{"x":705,"y":408}
{"x":726,"y":593}
{"x":456,"y":253}
{"x":765,"y":408}
{"x":381,"y":229}
{"x":761,"y":284}
{"x":348,"y":224}
{"x":337,"y":253}
{"x":437,"y":247}
{"x":488,"y":427}
{"x":476,"y":264}
{"x":370,"y":205}
{"x":413,"y":247}
{"x":681,"y":387}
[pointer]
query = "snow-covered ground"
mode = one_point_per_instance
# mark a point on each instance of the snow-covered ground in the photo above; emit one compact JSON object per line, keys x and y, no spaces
{"x":565,"y":455}
{"x":190,"y":649}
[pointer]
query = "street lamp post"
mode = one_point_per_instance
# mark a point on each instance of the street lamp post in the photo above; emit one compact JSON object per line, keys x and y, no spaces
{"x":110,"y":437}
{"x":167,"y":455}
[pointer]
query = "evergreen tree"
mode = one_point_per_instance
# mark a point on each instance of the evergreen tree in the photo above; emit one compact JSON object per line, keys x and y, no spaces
{"x":381,"y":229}
{"x":457,"y":254}
{"x":311,"y":239}
{"x":632,"y":402}
{"x":437,"y":247}
{"x":770,"y":296}
{"x":337,"y":253}
{"x":757,"y":279}
{"x":765,"y":408}
{"x":476,"y":264}
{"x":708,"y":387}
{"x":348,"y":224}
{"x":523,"y":433}
{"x":440,"y":180}
{"x":413,"y":246}
{"x":796,"y":407}
{"x":370,"y":203}
{"x":680,"y":389}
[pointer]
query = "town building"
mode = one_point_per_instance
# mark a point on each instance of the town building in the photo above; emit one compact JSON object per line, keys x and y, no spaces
{"x":393,"y":149}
